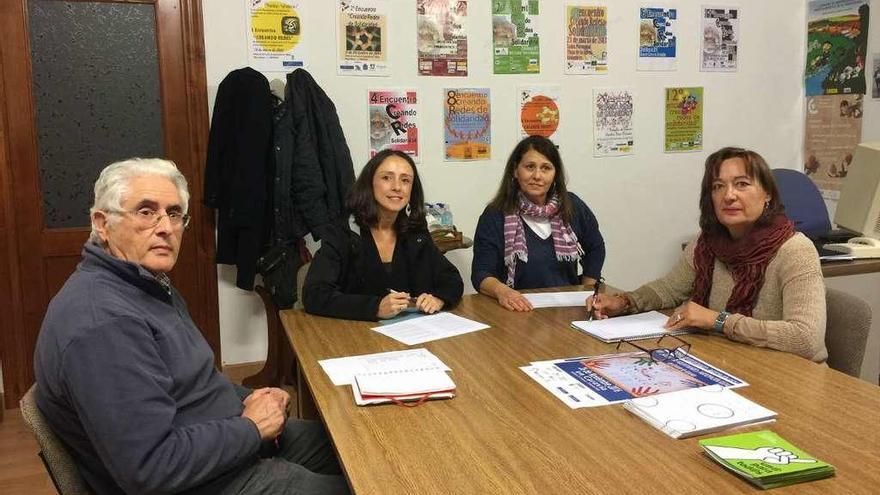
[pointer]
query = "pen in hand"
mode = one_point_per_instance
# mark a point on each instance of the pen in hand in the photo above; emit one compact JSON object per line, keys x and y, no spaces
{"x":392,"y":291}
{"x":596,"y":288}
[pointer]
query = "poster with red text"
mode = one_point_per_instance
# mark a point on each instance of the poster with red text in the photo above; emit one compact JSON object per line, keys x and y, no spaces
{"x":394,"y":121}
{"x":467,"y":126}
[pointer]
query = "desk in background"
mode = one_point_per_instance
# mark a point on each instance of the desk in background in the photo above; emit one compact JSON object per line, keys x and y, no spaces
{"x":855,"y":267}
{"x":506,"y":434}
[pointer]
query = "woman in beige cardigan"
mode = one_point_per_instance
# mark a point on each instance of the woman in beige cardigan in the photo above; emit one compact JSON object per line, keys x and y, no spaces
{"x":748,"y":275}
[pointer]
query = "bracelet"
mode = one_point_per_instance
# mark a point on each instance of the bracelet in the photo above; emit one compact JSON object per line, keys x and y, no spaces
{"x":719,"y":321}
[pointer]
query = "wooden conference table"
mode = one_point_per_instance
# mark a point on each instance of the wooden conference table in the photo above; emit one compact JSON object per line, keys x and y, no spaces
{"x":504,"y":433}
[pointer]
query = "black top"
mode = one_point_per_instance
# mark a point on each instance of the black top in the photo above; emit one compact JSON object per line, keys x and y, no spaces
{"x":347,"y":278}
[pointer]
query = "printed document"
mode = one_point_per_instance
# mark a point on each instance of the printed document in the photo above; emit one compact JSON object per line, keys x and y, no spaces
{"x":428,"y":328}
{"x":559,"y":299}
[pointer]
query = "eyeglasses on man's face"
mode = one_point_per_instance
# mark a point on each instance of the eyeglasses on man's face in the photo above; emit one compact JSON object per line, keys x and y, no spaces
{"x":663,"y":354}
{"x":148,"y":218}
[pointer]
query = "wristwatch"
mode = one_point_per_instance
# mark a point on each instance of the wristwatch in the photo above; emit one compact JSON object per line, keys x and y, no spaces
{"x":719,"y":321}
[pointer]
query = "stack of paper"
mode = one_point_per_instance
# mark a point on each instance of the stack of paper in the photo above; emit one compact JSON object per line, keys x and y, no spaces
{"x":696,"y":411}
{"x":396,"y":376}
{"x":407,"y":386}
{"x":631,"y":327}
{"x":765,"y":459}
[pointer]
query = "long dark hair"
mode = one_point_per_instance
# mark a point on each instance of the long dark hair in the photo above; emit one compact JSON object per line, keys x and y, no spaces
{"x":506,"y":199}
{"x":756,"y":168}
{"x":362,"y":203}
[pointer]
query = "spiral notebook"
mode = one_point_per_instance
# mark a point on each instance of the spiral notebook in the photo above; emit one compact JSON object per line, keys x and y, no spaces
{"x":630,"y":327}
{"x":696,"y":411}
{"x":402,"y":386}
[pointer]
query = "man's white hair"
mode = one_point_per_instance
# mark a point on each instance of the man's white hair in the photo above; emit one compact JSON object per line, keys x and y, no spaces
{"x":113,"y":183}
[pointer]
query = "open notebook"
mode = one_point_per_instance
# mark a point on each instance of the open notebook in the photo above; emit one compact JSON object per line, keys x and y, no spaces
{"x":402,"y":386}
{"x":630,"y":327}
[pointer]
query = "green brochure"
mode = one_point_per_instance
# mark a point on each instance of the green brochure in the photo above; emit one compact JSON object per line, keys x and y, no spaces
{"x":765,"y":459}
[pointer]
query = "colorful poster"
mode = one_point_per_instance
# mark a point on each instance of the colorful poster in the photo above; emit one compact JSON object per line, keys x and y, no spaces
{"x":614,"y":378}
{"x":613,"y":133}
{"x":832,"y":131}
{"x":274,"y":34}
{"x":539,"y":111}
{"x":718,"y":45}
{"x":586,"y":39}
{"x":684,"y":120}
{"x":657,"y":38}
{"x":875,"y":87}
{"x":515,"y":37}
{"x":837,"y":44}
{"x":467,"y":125}
{"x":394,"y":121}
{"x":362,"y":38}
{"x":442,"y":37}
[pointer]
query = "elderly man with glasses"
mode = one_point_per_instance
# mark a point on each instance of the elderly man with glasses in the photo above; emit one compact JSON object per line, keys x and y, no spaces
{"x":127,"y":381}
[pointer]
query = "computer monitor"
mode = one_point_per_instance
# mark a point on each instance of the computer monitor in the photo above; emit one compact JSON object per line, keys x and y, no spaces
{"x":858,"y":208}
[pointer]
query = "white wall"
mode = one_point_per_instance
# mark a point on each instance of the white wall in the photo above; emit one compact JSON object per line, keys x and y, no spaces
{"x":646,"y":203}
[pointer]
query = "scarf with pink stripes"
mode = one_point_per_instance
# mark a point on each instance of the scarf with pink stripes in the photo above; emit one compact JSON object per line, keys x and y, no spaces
{"x":565,"y":242}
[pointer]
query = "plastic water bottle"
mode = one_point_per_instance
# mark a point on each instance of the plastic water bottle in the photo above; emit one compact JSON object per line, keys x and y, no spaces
{"x":445,"y":215}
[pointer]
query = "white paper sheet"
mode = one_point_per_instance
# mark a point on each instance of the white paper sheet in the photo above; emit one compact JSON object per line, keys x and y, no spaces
{"x":428,"y":328}
{"x":559,"y":299}
{"x":342,"y":370}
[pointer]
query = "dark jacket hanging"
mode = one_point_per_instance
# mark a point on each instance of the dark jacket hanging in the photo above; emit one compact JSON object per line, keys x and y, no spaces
{"x":238,"y":168}
{"x":313,"y":174}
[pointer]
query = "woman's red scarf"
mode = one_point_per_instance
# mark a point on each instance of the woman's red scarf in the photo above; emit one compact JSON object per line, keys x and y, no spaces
{"x":747,"y":259}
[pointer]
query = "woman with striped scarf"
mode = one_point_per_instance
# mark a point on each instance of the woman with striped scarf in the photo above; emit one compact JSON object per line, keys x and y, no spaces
{"x":534,"y":233}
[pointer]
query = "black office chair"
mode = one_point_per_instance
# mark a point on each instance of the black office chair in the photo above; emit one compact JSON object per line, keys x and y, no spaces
{"x":803,"y":202}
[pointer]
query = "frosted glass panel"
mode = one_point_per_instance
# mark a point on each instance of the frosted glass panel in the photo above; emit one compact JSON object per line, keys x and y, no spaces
{"x":96,"y":90}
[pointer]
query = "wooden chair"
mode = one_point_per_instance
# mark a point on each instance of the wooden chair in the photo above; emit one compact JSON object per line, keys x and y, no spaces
{"x":280,"y":364}
{"x":846,"y":332}
{"x":57,"y":459}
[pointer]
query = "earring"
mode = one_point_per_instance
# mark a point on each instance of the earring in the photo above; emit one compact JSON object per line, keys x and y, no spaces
{"x":408,"y":209}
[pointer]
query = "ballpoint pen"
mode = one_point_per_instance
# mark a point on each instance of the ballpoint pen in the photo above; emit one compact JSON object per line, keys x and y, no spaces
{"x":392,"y":291}
{"x":596,"y":288}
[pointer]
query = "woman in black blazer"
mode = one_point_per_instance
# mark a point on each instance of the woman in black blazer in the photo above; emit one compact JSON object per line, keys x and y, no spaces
{"x":391,"y":263}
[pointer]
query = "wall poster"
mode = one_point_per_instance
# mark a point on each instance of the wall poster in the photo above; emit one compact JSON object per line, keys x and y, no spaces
{"x":362,"y":38}
{"x":613,"y":133}
{"x":467,"y":124}
{"x":720,"y":39}
{"x":837,"y":44}
{"x":539,"y":111}
{"x":442,"y":37}
{"x":586,"y":39}
{"x":274,"y":35}
{"x":684,"y":120}
{"x":515,"y":37}
{"x":833,"y":129}
{"x":394,"y":121}
{"x":657,"y":38}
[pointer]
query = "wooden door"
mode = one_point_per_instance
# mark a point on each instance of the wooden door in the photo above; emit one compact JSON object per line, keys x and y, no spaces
{"x":43,"y":224}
